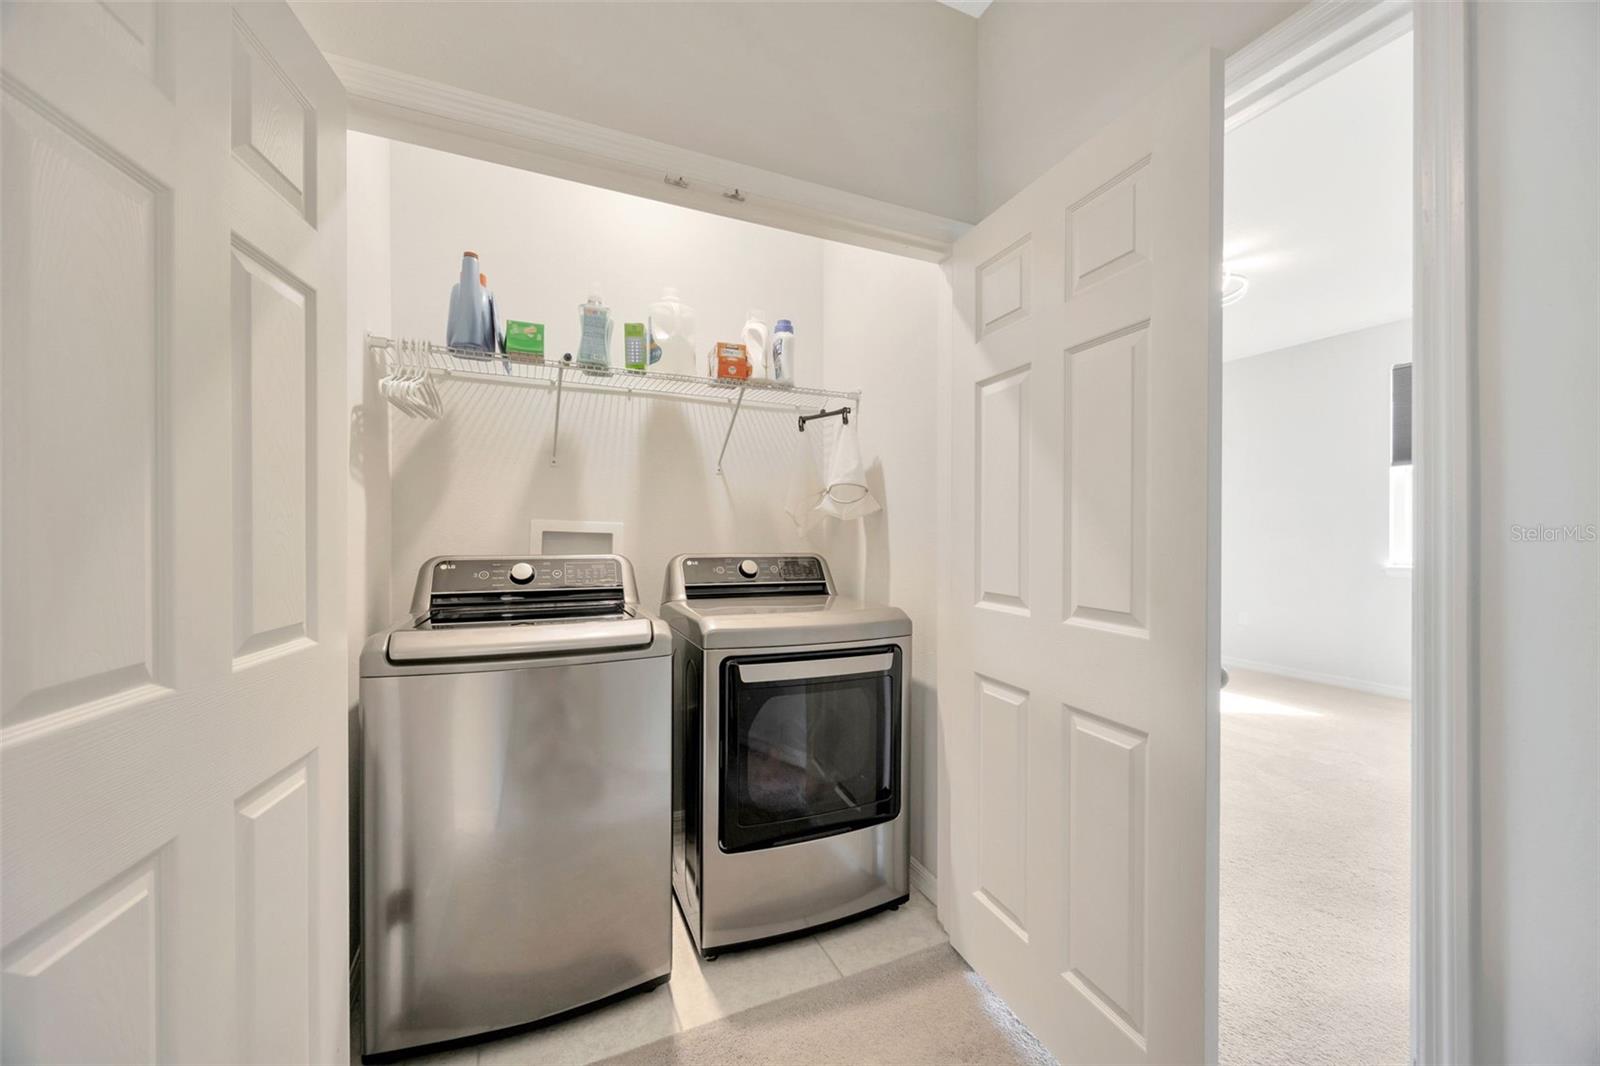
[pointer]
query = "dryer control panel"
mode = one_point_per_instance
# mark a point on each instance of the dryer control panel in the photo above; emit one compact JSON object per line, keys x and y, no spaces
{"x":739,"y":569}
{"x":700,"y":576}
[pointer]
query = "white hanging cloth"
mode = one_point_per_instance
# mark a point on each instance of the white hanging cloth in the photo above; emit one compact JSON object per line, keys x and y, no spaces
{"x":805,"y":484}
{"x":845,"y":493}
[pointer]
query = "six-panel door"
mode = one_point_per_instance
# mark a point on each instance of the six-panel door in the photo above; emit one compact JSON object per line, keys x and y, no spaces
{"x":1078,"y":652}
{"x":172,"y":704}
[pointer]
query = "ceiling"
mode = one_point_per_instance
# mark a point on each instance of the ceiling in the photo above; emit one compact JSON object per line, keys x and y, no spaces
{"x":1317,"y":208}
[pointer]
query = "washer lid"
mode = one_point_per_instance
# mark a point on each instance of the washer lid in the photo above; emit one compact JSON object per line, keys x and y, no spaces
{"x":498,"y":608}
{"x":780,"y":621}
{"x":427,"y":643}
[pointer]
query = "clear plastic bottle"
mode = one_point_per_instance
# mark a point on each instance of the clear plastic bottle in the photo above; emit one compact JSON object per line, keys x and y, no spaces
{"x":594,"y":341}
{"x":671,"y":332}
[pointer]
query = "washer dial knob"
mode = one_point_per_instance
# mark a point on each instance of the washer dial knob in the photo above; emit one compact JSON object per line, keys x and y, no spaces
{"x":522,"y":573}
{"x":748,"y":568}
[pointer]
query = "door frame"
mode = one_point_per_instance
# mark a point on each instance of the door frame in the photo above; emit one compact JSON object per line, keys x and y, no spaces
{"x":1309,"y":45}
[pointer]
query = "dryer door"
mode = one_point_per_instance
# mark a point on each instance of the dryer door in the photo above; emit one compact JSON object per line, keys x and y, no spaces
{"x":810,"y":745}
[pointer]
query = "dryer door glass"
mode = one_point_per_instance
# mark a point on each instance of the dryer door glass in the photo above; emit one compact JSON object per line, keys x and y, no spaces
{"x":811,"y":746}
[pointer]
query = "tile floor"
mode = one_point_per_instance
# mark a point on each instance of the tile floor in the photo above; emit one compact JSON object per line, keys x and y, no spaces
{"x":702,"y":992}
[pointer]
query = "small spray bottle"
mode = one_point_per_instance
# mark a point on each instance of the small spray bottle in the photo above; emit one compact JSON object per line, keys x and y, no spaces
{"x":594,"y":343}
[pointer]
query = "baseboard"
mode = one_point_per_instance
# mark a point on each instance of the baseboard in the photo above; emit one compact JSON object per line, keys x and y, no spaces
{"x":1398,"y":692}
{"x":923,"y":881}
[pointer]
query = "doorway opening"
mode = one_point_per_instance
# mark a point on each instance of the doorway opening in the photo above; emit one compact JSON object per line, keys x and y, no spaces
{"x":650,"y":473}
{"x":1315,"y":818}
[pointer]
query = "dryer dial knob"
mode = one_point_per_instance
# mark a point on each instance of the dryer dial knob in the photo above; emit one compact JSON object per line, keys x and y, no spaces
{"x":748,"y":568}
{"x":522,"y":573}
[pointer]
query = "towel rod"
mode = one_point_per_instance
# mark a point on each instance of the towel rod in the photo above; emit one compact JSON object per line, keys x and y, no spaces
{"x":840,"y":412}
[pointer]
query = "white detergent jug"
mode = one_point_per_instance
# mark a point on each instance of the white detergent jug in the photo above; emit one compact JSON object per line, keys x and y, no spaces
{"x":755,"y":343}
{"x":780,"y":365}
{"x":671,"y":333}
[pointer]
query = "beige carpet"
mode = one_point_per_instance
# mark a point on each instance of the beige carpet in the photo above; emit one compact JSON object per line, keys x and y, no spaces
{"x":925,"y":1008}
{"x":1315,"y":874}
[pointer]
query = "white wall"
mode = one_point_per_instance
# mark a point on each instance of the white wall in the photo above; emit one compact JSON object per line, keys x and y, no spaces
{"x":1050,"y":75}
{"x":1305,"y":513}
{"x":881,"y":329}
{"x":909,"y":103}
{"x":1536,"y":174}
{"x":871,"y":98}
{"x":472,"y":481}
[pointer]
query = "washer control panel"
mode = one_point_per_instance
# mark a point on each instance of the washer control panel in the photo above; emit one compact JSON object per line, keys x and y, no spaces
{"x":741,"y":569}
{"x":532,"y":572}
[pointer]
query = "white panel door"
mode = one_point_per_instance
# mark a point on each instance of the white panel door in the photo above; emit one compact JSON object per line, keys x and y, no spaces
{"x":172,"y":643}
{"x":1078,"y":656}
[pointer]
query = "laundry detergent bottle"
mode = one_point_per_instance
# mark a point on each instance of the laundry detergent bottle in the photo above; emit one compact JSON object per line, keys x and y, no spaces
{"x":671,"y":333}
{"x":754,"y":338}
{"x":469,"y":325}
{"x":497,"y":334}
{"x":780,"y":363}
{"x":594,"y":341}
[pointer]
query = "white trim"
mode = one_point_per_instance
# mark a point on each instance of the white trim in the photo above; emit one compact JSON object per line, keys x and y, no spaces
{"x":1319,"y":40}
{"x":1399,"y":692}
{"x":406,"y":107}
{"x":923,"y":881}
{"x":1444,"y":630}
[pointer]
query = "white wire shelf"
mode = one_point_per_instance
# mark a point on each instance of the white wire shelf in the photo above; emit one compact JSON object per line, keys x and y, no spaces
{"x":439,"y":361}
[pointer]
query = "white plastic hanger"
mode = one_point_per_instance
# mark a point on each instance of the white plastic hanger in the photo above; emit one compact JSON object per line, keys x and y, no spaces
{"x":407,"y":382}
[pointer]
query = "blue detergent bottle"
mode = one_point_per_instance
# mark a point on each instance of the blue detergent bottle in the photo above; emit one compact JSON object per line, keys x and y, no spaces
{"x":469,"y":324}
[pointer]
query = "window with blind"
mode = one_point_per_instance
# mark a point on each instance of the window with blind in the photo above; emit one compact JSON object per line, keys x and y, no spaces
{"x":1400,"y":501}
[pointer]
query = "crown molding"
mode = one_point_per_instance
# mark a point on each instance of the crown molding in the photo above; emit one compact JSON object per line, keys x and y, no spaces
{"x":411,"y":108}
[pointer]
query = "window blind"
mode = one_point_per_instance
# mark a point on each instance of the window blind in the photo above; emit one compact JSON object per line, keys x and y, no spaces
{"x":1400,"y":416}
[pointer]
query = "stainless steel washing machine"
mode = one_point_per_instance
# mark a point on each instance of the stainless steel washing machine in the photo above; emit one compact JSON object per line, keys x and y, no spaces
{"x":789,"y":748}
{"x":516,"y":789}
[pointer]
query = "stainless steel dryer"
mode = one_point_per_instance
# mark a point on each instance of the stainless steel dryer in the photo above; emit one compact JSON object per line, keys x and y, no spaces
{"x":789,"y":748}
{"x":516,"y":828}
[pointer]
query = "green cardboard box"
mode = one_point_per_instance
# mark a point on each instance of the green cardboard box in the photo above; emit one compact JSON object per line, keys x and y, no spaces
{"x":525,"y":339}
{"x":634,"y":356}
